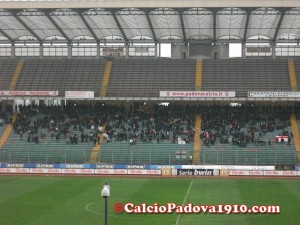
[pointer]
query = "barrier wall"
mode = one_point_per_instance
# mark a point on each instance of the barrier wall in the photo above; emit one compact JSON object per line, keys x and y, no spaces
{"x":156,"y":170}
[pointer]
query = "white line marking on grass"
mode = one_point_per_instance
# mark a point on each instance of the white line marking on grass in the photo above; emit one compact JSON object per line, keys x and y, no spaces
{"x":87,"y":208}
{"x":187,"y":193}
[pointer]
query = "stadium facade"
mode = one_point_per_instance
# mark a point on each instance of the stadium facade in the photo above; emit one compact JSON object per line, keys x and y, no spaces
{"x":109,"y":52}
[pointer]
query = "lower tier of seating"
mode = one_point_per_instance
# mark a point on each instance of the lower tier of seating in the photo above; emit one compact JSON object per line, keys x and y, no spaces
{"x":145,"y":153}
{"x":224,"y":154}
{"x":46,"y":151}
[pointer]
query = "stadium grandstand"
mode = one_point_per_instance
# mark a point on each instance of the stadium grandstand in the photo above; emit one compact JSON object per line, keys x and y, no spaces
{"x":85,"y":81}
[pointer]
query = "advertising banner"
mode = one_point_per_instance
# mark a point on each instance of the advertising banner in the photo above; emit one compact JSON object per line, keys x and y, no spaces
{"x":280,"y":173}
{"x":79,"y":94}
{"x":105,"y":166}
{"x":141,"y":49}
{"x":198,"y":172}
{"x":135,"y":166}
{"x":14,"y":165}
{"x":111,"y":171}
{"x":167,"y":171}
{"x":281,"y":138}
{"x":263,"y":173}
{"x":54,"y":171}
{"x":44,"y":165}
{"x":113,"y":52}
{"x":143,"y":172}
{"x":77,"y":171}
{"x":28,"y":93}
{"x":198,"y":94}
{"x":7,"y":170}
{"x":258,"y":49}
{"x":270,"y":94}
{"x":14,"y":170}
{"x":246,"y":173}
{"x":39,"y":170}
{"x":230,"y":167}
{"x":224,"y":172}
{"x":73,"y":166}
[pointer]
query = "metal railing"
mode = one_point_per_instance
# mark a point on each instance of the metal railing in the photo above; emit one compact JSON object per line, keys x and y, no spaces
{"x":163,"y":157}
{"x":62,"y":156}
{"x":240,"y":157}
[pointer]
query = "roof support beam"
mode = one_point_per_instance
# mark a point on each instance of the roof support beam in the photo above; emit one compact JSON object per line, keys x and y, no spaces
{"x":34,"y":34}
{"x":47,"y":13}
{"x":80,"y":13}
{"x":282,"y":11}
{"x":151,"y":26}
{"x":113,"y":12}
{"x":7,"y":36}
{"x":246,"y":26}
{"x":182,"y":26}
{"x":214,"y":11}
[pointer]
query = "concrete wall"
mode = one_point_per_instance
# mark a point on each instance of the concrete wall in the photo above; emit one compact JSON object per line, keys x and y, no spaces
{"x":179,"y":51}
{"x":208,"y":51}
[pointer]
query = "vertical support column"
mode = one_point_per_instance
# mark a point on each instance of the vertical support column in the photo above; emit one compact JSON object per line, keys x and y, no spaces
{"x":243,"y":50}
{"x":273,"y":51}
{"x":41,"y":54}
{"x":69,"y":50}
{"x":98,"y":50}
{"x":159,"y":53}
{"x":127,"y":51}
{"x":155,"y":56}
{"x":13,"y":51}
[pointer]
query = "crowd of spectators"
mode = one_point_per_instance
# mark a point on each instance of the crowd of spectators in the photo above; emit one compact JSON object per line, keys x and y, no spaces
{"x":242,"y":125}
{"x":75,"y":123}
{"x":152,"y":125}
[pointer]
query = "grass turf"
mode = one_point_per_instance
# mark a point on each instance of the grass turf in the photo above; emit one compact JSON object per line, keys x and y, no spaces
{"x":27,"y":200}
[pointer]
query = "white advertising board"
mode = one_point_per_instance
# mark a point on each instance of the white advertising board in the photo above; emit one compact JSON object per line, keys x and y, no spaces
{"x":143,"y":172}
{"x":231,"y":167}
{"x":79,"y":94}
{"x":198,"y":94}
{"x":111,"y":171}
{"x":270,"y":94}
{"x":28,"y":93}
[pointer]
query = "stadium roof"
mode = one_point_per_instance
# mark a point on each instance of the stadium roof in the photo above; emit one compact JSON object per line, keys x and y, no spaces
{"x":146,"y":21}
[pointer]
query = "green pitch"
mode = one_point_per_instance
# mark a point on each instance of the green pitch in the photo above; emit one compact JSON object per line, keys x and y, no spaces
{"x":27,"y":200}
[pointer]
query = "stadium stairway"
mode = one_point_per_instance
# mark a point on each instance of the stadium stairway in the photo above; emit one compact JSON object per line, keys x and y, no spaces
{"x":198,"y":78}
{"x":296,"y":137}
{"x":292,"y":73}
{"x":197,"y":141}
{"x":16,"y":75}
{"x":7,"y":131}
{"x":105,"y":79}
{"x":96,"y":149}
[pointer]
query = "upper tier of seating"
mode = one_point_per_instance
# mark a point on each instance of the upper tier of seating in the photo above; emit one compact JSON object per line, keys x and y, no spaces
{"x":7,"y":68}
{"x":297,"y":70}
{"x":146,"y":77}
{"x":62,"y":75}
{"x":242,"y":75}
